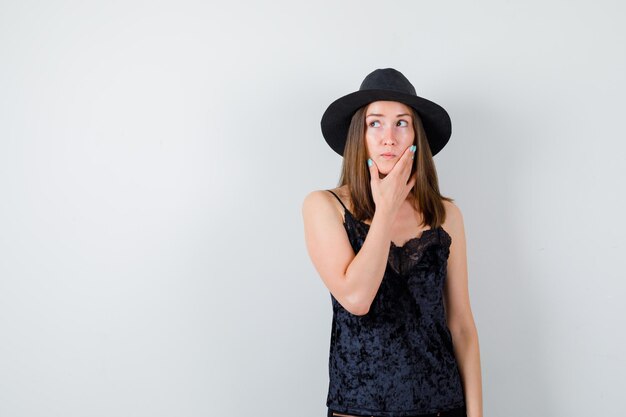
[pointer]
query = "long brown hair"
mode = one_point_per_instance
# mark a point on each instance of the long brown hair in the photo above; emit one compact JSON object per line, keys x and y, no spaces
{"x":424,"y":196}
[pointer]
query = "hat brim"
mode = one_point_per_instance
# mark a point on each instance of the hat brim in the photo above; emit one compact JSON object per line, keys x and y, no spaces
{"x":336,"y":119}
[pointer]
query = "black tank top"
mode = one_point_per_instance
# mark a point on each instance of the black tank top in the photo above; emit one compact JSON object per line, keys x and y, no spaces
{"x":396,"y":360}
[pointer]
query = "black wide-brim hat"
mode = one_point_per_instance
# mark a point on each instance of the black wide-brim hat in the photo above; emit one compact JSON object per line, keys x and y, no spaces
{"x":389,"y":85}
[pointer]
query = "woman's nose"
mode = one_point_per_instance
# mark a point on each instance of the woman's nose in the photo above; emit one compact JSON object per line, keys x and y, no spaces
{"x":388,"y":138}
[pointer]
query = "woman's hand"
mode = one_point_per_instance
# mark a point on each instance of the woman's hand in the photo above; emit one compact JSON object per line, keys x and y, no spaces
{"x":390,"y":192}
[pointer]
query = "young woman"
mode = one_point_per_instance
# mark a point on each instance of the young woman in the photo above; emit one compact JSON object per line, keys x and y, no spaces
{"x":391,"y":251}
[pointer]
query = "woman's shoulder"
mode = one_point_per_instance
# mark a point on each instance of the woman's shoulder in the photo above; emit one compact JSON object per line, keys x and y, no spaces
{"x":322,"y":200}
{"x":341,"y":192}
{"x":453,"y":212}
{"x":454,"y":217}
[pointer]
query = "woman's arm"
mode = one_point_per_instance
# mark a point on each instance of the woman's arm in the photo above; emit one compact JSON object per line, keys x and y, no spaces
{"x":352,"y":280}
{"x":459,"y":313}
{"x":355,"y":280}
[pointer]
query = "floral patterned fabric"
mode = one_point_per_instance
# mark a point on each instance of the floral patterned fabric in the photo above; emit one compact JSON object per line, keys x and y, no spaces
{"x":397,"y":360}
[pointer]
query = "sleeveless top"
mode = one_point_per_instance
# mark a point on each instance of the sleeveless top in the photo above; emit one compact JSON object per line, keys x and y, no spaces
{"x":397,"y":360}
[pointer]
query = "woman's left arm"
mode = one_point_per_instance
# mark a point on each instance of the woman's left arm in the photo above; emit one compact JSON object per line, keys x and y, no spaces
{"x":459,"y":313}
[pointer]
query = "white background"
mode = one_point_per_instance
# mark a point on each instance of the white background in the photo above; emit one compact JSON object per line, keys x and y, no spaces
{"x":153,"y":161}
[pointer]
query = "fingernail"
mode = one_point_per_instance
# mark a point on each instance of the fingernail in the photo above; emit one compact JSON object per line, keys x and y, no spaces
{"x":413,"y":148}
{"x":369,"y":162}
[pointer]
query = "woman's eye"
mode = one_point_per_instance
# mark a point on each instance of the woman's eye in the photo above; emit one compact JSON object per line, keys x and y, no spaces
{"x":375,"y":123}
{"x":402,"y":123}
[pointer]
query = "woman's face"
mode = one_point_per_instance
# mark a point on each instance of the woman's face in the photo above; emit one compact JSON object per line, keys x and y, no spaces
{"x":388,"y":132}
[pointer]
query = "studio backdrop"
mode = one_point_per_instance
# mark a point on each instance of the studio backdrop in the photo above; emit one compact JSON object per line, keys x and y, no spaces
{"x":154,"y":157}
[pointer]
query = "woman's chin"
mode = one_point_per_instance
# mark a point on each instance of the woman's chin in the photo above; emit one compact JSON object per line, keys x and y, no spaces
{"x":384,"y":169}
{"x":382,"y":174}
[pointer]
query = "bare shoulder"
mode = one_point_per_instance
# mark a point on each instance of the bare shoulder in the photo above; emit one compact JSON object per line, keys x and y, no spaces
{"x":317,"y":200}
{"x":321,"y":201}
{"x":453,"y":212}
{"x":454,"y":220}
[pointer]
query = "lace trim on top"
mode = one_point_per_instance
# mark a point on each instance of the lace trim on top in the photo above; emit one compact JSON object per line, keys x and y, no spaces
{"x":403,"y":258}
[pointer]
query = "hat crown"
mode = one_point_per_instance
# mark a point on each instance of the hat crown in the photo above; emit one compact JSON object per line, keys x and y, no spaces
{"x":387,"y":84}
{"x":387,"y":79}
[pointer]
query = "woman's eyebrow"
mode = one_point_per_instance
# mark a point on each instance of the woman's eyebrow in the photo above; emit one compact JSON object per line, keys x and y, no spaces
{"x":382,"y":115}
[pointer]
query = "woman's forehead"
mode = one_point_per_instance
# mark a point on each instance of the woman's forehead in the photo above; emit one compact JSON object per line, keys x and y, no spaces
{"x":384,"y":107}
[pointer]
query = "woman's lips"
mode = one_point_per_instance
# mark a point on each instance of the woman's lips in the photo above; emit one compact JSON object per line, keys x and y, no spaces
{"x":388,"y":155}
